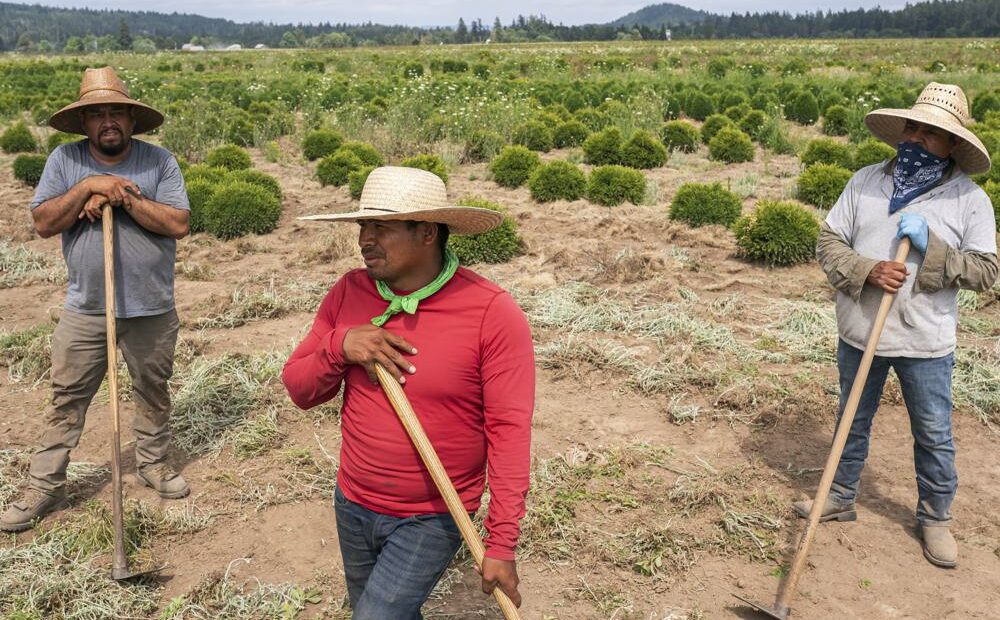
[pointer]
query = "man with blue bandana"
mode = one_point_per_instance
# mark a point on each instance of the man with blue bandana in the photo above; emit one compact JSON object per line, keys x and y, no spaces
{"x":923,"y":193}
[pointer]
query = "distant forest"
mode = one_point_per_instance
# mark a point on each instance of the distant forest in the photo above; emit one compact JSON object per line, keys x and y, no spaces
{"x":46,"y":29}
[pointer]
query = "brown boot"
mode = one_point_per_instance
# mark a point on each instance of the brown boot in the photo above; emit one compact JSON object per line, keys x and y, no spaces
{"x":32,"y":506}
{"x":832,"y":511}
{"x":940,"y":547}
{"x":164,"y":480}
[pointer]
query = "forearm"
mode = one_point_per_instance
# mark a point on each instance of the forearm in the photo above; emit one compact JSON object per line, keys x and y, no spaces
{"x":62,"y":212}
{"x":159,"y":218}
{"x":947,"y":267}
{"x":844,"y":267}
{"x":314,"y":372}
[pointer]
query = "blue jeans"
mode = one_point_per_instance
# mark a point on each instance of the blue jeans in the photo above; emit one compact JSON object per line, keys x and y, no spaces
{"x":926,"y":386}
{"x":392,"y":563}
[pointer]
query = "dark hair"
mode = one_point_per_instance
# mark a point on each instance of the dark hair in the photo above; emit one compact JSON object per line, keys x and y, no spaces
{"x":443,"y":233}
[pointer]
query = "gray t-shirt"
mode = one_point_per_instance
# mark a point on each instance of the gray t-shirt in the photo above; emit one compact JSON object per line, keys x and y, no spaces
{"x":144,"y":261}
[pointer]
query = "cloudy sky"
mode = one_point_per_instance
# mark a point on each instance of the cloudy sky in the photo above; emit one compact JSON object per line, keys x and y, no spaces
{"x":444,"y":12}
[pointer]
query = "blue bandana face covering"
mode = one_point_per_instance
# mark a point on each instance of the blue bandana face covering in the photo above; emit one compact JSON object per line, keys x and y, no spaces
{"x":916,"y":172}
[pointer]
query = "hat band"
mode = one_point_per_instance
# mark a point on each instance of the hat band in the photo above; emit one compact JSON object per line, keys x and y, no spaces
{"x":935,"y":107}
{"x":102,"y":90}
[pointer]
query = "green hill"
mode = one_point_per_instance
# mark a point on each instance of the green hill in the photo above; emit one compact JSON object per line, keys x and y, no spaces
{"x":657,"y":15}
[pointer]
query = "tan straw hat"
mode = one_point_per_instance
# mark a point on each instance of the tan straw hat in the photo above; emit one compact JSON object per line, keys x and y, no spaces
{"x":102,"y":87}
{"x":943,"y":106}
{"x":410,"y":194}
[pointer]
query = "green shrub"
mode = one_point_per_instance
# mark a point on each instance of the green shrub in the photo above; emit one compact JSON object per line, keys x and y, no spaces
{"x":680,"y":136}
{"x":737,"y":112}
{"x":595,"y":120}
{"x":496,"y":246}
{"x":333,"y":169}
{"x":230,"y":157}
{"x":430,"y":163}
{"x":698,"y":105}
{"x":570,"y":133}
{"x":549,"y":119}
{"x":719,"y":66}
{"x":59,"y":138}
{"x":513,"y":166}
{"x":984,"y":103}
{"x":365,"y":152}
{"x":28,"y":168}
{"x":871,"y":151}
{"x":643,"y":151}
{"x":482,"y":145}
{"x":827,"y":151}
{"x":836,"y":121}
{"x":713,"y":124}
{"x":731,"y":146}
{"x":604,"y":147}
{"x":777,"y":234}
{"x":535,"y":135}
{"x":18,"y":139}
{"x":204,"y":172}
{"x":356,"y":181}
{"x":612,"y":185}
{"x":821,"y":184}
{"x":321,"y":142}
{"x":992,"y":189}
{"x":256,"y":177}
{"x":802,"y":108}
{"x":199,"y":192}
{"x":753,"y":123}
{"x":699,"y":204}
{"x":413,"y":69}
{"x":239,"y":208}
{"x":671,"y":107}
{"x":557,"y":180}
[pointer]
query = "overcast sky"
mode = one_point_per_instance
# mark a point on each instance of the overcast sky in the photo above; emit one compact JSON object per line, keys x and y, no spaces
{"x":443,"y":12}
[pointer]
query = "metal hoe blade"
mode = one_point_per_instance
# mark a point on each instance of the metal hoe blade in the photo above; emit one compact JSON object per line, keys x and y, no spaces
{"x":123,"y":573}
{"x":768,"y":611}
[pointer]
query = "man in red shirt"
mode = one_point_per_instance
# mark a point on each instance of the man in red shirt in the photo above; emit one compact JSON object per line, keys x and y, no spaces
{"x":462,"y":349}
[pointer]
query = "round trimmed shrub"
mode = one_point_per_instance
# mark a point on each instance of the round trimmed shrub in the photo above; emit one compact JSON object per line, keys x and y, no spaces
{"x":28,"y":168}
{"x":680,"y":136}
{"x":365,"y":152}
{"x":333,"y":169}
{"x":321,"y":142}
{"x":643,"y":151}
{"x":207,"y":173}
{"x":356,"y":181}
{"x":535,"y":135}
{"x":256,"y":177}
{"x":413,"y":69}
{"x":18,"y":139}
{"x":612,"y":185}
{"x":240,"y":208}
{"x":513,"y":166}
{"x":870,"y":152}
{"x":570,"y":133}
{"x":698,"y":105}
{"x":557,"y":180}
{"x":430,"y":163}
{"x":595,"y":120}
{"x":731,"y":146}
{"x":699,"y":204}
{"x":737,"y":112}
{"x":482,"y":145}
{"x":713,"y":124}
{"x":230,"y":157}
{"x":836,"y":121}
{"x":821,"y":184}
{"x":992,"y":189}
{"x":604,"y":147}
{"x":753,"y":123}
{"x":547,"y":118}
{"x":827,"y":151}
{"x":983,"y":103}
{"x":777,"y":233}
{"x":59,"y":138}
{"x":495,"y":246}
{"x":199,"y":192}
{"x":802,"y":108}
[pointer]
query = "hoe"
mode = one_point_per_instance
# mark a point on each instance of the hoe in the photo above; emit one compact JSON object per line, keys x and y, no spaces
{"x":786,"y":590}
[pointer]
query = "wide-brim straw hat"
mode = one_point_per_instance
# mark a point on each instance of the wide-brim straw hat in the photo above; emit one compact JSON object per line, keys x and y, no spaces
{"x":940,"y":105}
{"x":103,"y":87}
{"x":411,"y":194}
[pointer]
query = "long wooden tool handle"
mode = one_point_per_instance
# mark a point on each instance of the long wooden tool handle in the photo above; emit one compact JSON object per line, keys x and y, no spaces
{"x":840,"y":439}
{"x":430,"y":458}
{"x":119,"y":560}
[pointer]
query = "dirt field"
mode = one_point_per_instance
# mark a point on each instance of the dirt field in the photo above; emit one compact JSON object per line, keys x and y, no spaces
{"x":676,"y":421}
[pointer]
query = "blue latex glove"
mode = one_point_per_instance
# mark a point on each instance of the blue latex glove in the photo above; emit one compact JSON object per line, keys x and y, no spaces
{"x":913,"y":226}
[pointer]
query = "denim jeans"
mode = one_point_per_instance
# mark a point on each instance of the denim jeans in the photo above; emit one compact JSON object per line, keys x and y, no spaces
{"x":392,"y":563}
{"x":926,"y":386}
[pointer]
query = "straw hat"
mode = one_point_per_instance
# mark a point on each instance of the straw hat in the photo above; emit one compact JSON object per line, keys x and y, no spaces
{"x":102,"y":87}
{"x":410,"y":194}
{"x":940,"y":105}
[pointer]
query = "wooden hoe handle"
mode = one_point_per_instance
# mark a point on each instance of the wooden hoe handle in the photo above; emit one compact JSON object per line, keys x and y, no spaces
{"x":430,"y":458}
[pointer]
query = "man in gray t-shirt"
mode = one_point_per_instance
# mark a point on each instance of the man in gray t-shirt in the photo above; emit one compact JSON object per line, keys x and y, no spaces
{"x":142,"y":182}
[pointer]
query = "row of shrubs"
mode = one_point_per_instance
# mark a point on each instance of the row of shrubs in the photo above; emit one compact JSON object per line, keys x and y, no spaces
{"x":18,"y":139}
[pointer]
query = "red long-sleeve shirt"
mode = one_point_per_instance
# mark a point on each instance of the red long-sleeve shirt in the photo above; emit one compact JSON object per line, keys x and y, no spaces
{"x":473,"y":391}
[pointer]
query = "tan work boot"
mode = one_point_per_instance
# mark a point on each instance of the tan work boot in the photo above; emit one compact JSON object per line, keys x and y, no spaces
{"x":32,"y":506}
{"x":832,"y":511}
{"x":164,"y":480}
{"x":940,"y":547}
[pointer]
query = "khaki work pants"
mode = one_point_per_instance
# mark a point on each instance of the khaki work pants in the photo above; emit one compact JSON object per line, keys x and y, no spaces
{"x":79,"y":364}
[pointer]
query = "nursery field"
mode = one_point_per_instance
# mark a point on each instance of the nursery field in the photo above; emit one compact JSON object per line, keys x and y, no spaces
{"x":662,"y":200}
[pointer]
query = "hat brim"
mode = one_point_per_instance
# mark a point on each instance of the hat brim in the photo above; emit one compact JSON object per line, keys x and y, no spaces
{"x":460,"y":220}
{"x":970,"y":154}
{"x":68,"y":119}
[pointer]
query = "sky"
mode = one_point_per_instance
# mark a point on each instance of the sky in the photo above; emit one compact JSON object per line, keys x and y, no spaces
{"x":444,"y":12}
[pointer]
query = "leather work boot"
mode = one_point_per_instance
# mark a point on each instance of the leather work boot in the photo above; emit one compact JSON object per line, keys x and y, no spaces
{"x":33,"y":505}
{"x":164,"y":480}
{"x":832,"y":511}
{"x":940,"y":547}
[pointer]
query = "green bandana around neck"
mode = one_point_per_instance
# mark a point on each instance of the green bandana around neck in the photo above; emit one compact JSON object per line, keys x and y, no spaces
{"x":408,"y":303}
